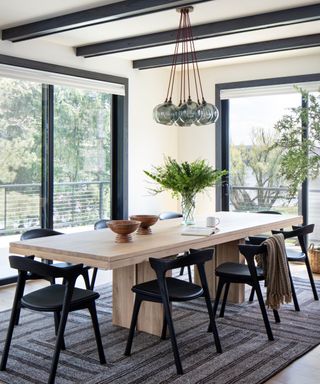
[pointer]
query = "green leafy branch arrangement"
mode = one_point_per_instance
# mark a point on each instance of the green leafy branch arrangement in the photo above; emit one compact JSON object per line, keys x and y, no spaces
{"x":301,"y":155}
{"x":184,"y":179}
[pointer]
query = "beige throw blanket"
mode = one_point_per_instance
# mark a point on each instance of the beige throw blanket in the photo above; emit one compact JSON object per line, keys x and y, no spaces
{"x":275,"y":267}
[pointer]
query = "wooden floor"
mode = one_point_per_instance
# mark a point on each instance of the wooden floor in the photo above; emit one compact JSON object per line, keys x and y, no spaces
{"x":305,"y":370}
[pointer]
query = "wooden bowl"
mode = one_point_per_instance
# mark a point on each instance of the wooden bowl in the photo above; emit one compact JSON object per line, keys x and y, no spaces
{"x":146,"y":222}
{"x":123,"y":229}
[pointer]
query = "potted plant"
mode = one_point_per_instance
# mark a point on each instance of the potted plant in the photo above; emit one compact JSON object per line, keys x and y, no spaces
{"x":185,"y":180}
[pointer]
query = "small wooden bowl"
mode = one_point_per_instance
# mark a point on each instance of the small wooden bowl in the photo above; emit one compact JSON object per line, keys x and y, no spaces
{"x":123,"y":229}
{"x":146,"y":222}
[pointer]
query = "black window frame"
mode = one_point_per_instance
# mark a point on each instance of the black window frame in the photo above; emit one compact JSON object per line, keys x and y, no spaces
{"x":119,"y":140}
{"x":222,"y":133}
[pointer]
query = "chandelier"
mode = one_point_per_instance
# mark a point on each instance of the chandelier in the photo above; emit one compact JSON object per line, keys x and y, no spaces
{"x":187,"y":112}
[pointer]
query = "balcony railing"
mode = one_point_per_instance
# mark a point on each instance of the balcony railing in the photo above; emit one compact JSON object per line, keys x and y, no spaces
{"x":75,"y":204}
{"x":244,"y":198}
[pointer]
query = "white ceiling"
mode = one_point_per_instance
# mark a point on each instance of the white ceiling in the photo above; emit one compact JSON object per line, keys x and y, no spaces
{"x":15,"y":12}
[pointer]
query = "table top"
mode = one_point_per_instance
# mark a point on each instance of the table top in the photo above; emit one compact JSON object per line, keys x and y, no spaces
{"x":98,"y":248}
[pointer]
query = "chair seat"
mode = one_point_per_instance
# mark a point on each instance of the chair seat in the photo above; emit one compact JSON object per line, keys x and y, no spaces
{"x":178,"y":290}
{"x":51,"y":298}
{"x":238,"y":271}
{"x":295,"y":254}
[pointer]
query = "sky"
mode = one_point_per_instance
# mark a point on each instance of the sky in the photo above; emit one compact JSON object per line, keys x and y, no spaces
{"x":264,"y":111}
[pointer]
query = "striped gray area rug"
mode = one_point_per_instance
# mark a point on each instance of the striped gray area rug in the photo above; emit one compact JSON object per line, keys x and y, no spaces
{"x":248,"y":356}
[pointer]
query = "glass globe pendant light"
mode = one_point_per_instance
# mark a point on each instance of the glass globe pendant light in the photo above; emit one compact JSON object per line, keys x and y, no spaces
{"x":188,"y":112}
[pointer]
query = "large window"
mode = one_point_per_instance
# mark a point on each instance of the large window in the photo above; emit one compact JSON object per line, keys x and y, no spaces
{"x":63,"y":152}
{"x":82,"y":156}
{"x":245,"y":136}
{"x":255,"y":184}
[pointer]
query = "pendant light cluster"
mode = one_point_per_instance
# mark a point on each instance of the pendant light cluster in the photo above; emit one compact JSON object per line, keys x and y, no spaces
{"x":188,"y":112}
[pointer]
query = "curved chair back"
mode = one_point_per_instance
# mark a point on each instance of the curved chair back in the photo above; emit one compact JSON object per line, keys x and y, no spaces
{"x":194,"y":257}
{"x":250,"y":250}
{"x":26,"y":264}
{"x":300,"y":232}
{"x":39,"y":232}
{"x":169,"y":215}
{"x":101,"y":224}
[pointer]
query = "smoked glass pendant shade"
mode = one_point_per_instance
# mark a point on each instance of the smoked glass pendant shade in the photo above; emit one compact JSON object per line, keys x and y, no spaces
{"x":206,"y":114}
{"x":188,"y":112}
{"x":165,"y":113}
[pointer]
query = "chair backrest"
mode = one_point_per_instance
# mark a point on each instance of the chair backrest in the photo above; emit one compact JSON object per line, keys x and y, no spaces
{"x":249,"y":251}
{"x":169,"y":215}
{"x":39,"y":232}
{"x":101,"y":224}
{"x":300,"y":232}
{"x":26,"y":264}
{"x":270,"y":212}
{"x":194,"y":257}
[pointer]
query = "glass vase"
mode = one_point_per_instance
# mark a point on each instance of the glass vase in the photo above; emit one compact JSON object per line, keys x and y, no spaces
{"x":188,"y":207}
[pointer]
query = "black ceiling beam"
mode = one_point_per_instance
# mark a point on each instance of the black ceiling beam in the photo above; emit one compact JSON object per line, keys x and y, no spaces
{"x":300,"y":42}
{"x":92,"y":16}
{"x":220,"y":28}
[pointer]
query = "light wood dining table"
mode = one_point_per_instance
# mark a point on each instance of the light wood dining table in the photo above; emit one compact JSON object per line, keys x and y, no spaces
{"x":130,"y":264}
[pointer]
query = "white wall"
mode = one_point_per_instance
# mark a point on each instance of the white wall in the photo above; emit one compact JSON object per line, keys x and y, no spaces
{"x":149,"y":142}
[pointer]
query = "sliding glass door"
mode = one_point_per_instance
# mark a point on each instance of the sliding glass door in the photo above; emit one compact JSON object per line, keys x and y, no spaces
{"x":313,"y":192}
{"x":245,"y":137}
{"x":63,"y":156}
{"x":82,"y":157}
{"x":20,"y":162}
{"x":254,"y":182}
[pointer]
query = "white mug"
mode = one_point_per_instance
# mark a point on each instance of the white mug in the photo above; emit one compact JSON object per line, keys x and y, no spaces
{"x":212,"y":221}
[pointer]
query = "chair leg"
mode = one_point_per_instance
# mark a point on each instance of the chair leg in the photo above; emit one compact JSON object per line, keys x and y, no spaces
{"x":174,"y":344}
{"x":218,"y":294}
{"x":181,"y":271}
{"x":93,"y":278}
{"x":224,"y":301}
{"x":313,"y":286}
{"x":58,"y":346}
{"x":276,"y":316}
{"x":15,"y":311}
{"x":212,"y":320}
{"x":294,"y":296}
{"x":251,"y":297}
{"x":164,"y":328}
{"x":136,"y":308}
{"x":95,"y":323}
{"x":189,"y":274}
{"x":56,"y":326}
{"x":85,"y":275}
{"x":263,"y":311}
{"x":16,"y":322}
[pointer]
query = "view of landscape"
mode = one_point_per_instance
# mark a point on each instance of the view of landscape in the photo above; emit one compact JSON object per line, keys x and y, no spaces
{"x":256,"y":183}
{"x":81,"y":156}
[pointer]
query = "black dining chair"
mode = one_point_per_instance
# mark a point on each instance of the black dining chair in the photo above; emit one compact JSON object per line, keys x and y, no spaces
{"x":166,"y":290}
{"x":244,"y":274}
{"x":300,"y":254}
{"x":58,"y":298}
{"x":251,"y":297}
{"x":101,"y":224}
{"x":44,"y":232}
{"x":294,"y":254}
{"x":175,"y":215}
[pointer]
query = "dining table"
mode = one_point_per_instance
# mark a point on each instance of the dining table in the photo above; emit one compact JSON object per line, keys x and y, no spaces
{"x":130,"y":261}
